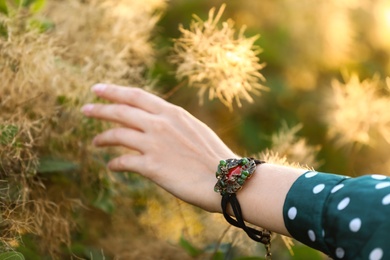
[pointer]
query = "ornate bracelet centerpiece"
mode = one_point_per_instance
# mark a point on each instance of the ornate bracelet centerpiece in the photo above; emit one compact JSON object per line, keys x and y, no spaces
{"x":232,"y":174}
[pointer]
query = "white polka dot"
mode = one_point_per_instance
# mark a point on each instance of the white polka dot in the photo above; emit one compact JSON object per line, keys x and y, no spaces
{"x":376,"y":254}
{"x":382,"y":185}
{"x":318,"y":188}
{"x":311,"y":235}
{"x":355,"y":224}
{"x":378,"y":177}
{"x":344,"y":203}
{"x":386,"y":200}
{"x":336,"y":188}
{"x":340,"y":252}
{"x":311,"y":174}
{"x":292,"y":213}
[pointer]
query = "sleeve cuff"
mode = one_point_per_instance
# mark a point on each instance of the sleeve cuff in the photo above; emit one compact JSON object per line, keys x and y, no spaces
{"x":303,"y":209}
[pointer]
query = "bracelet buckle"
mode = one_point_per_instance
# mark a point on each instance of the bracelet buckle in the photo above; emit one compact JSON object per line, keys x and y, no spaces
{"x":232,"y":174}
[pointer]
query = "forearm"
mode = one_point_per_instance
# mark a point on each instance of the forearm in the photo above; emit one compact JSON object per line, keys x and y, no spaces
{"x":181,"y":154}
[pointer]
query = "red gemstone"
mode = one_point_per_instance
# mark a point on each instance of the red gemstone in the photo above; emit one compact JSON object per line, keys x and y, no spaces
{"x":234,"y":171}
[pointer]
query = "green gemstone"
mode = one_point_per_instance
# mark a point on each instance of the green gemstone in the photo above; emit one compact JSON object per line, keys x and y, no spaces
{"x":245,"y":173}
{"x":222,"y":163}
{"x":244,"y":161}
{"x":216,"y":188}
{"x":240,"y":181}
{"x":243,"y":177}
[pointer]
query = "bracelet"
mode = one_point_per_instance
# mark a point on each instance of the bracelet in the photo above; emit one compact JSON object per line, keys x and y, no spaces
{"x":231,"y":176}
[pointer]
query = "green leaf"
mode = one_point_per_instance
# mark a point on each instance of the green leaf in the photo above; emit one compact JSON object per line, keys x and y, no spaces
{"x":249,"y":258}
{"x":29,"y":248}
{"x":50,"y":165}
{"x":225,"y":248}
{"x":3,"y":7}
{"x":11,"y":256}
{"x":62,"y":99}
{"x":189,"y":248}
{"x":38,"y":5}
{"x":41,"y":25}
{"x":8,"y":133}
{"x":25,"y":3}
{"x":18,"y":2}
{"x":94,"y":253}
{"x":106,"y":204}
{"x":3,"y":30}
{"x":305,"y":252}
{"x":218,"y":256}
{"x":104,"y":201}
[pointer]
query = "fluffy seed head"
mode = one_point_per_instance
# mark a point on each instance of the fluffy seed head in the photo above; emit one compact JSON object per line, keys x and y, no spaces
{"x":215,"y":59}
{"x":359,"y":111}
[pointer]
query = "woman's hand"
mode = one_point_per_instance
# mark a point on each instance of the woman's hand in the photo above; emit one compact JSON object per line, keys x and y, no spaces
{"x":174,"y":149}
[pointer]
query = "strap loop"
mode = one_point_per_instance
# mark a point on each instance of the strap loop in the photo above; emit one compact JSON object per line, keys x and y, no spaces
{"x":263,"y":237}
{"x":231,"y":175}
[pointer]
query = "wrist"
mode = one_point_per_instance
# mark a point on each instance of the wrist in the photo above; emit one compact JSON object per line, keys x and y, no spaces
{"x":211,"y":199}
{"x":263,"y":196}
{"x":231,"y":176}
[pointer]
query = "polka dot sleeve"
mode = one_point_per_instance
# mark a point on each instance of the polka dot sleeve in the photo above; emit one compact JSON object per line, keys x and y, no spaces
{"x":346,"y":218}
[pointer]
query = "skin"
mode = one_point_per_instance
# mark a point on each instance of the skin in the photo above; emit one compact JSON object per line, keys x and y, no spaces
{"x":180,"y":153}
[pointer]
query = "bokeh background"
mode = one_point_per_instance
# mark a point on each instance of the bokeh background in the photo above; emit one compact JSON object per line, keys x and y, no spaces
{"x":294,"y":82}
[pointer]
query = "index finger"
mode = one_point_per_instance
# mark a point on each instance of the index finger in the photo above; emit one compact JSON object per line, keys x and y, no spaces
{"x":131,"y":96}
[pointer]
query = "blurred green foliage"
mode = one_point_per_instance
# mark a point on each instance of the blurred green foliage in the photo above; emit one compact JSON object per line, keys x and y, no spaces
{"x":7,"y":133}
{"x":299,"y":71}
{"x":31,"y":8}
{"x":11,"y":256}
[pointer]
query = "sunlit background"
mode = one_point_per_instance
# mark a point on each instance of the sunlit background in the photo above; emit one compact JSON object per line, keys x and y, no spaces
{"x":300,"y":83}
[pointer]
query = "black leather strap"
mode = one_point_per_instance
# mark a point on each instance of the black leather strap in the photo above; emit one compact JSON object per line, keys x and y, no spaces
{"x":257,"y":235}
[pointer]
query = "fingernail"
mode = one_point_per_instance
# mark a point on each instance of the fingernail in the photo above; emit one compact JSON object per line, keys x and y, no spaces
{"x":86,"y":108}
{"x":99,"y":87}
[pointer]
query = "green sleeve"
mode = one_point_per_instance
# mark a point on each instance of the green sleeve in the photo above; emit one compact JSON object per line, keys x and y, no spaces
{"x":346,"y":218}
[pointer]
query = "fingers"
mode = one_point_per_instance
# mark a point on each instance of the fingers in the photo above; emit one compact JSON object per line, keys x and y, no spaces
{"x":135,"y":97}
{"x":127,"y":162}
{"x":118,"y":113}
{"x":125,"y":137}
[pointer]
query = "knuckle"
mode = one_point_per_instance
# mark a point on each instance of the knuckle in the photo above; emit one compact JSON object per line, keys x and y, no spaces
{"x":159,"y":124}
{"x":179,"y":113}
{"x":152,"y":166}
{"x":120,"y":163}
{"x":172,"y":109}
{"x":116,"y":134}
{"x":135,"y":93}
{"x":120,"y":111}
